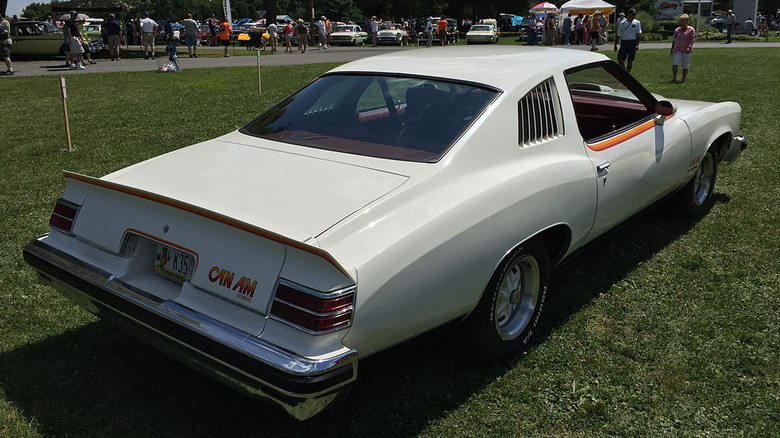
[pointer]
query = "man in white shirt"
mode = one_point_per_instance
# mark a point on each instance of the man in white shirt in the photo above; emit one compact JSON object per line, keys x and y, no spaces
{"x":375,"y":29}
{"x":628,"y":34}
{"x":321,"y":30}
{"x":272,"y":31}
{"x":150,"y":28}
{"x":731,"y":24}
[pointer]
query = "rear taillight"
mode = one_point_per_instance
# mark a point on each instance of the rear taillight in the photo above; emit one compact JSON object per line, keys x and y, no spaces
{"x":315,"y":312}
{"x":64,"y":215}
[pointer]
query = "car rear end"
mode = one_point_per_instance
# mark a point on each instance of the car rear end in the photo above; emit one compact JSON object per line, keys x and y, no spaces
{"x":233,"y":300}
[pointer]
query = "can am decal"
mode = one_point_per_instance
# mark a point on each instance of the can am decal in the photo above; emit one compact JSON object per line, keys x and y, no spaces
{"x":245,"y":285}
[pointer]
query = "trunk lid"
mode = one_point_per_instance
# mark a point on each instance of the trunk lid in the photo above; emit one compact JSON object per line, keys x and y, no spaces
{"x":297,"y":196}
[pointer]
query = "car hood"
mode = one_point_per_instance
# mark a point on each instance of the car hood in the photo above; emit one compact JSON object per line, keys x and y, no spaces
{"x":254,"y":181}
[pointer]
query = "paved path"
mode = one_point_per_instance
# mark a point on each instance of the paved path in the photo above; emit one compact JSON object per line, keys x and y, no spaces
{"x":312,"y":56}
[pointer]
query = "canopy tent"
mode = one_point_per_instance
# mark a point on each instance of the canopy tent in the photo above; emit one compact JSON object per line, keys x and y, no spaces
{"x":98,"y":7}
{"x":586,"y":7}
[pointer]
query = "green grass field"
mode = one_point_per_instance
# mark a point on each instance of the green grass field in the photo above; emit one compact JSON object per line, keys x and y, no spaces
{"x":667,"y":327}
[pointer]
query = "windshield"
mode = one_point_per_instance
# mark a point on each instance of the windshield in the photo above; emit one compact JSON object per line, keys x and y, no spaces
{"x":481,"y":28}
{"x":403,"y":118}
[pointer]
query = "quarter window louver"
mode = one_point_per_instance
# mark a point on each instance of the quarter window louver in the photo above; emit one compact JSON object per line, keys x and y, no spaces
{"x":539,"y":114}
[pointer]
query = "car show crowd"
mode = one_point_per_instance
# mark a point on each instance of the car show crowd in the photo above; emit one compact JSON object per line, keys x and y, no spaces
{"x":81,"y":36}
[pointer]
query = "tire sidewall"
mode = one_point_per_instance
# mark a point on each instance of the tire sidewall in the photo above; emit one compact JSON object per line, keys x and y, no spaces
{"x":486,"y":338}
{"x":687,"y":198}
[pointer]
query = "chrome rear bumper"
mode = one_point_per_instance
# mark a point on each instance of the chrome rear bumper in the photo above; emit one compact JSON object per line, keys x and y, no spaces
{"x":302,"y":386}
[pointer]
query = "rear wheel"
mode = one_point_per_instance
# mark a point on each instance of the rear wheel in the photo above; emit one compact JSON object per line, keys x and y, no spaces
{"x":512,"y":304}
{"x":695,"y":199}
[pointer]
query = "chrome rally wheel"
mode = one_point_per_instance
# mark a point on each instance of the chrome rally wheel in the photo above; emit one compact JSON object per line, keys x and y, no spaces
{"x":517,"y":297}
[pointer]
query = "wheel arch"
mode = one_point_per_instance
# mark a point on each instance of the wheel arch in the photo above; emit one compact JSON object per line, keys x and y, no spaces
{"x":722,"y":144}
{"x":557,"y":239}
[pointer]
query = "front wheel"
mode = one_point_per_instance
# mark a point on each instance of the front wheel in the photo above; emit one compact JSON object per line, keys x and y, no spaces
{"x":512,"y":304}
{"x":695,"y":199}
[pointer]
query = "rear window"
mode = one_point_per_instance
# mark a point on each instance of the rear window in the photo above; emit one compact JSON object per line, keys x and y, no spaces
{"x":402,"y":118}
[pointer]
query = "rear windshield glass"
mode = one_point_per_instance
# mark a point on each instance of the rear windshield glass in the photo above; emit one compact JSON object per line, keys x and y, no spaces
{"x":402,"y":118}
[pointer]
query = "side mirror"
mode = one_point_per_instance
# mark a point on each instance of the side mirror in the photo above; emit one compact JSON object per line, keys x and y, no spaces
{"x":664,"y":109}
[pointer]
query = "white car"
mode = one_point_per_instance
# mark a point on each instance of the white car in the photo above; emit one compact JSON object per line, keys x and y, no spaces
{"x":392,"y":33}
{"x":391,"y":196}
{"x":349,"y":34}
{"x":481,"y":33}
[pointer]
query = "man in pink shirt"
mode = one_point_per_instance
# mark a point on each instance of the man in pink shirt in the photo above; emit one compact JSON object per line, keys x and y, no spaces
{"x":682,"y":47}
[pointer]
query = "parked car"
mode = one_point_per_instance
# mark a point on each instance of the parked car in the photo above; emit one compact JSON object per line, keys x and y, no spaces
{"x":36,"y":38}
{"x":481,"y":33}
{"x":392,"y":33}
{"x":349,"y":34}
{"x":42,"y":38}
{"x":391,"y":196}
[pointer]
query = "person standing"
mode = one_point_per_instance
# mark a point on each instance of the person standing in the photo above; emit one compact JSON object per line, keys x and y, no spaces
{"x":628,"y":34}
{"x":532,"y":38}
{"x":429,"y":31}
{"x":66,"y":46}
{"x":578,"y":29}
{"x":567,"y":22}
{"x":114,"y":37}
{"x":322,"y":43}
{"x":603,"y":26}
{"x":272,"y":31}
{"x":76,"y":42}
{"x":87,"y":52}
{"x":302,"y":33}
{"x":5,"y":45}
{"x":682,"y":47}
{"x":212,"y":22}
{"x":191,"y":35}
{"x":289,"y":31}
{"x":149,"y":28}
{"x":168,"y":30}
{"x":731,"y":23}
{"x":549,"y":30}
{"x":328,"y":30}
{"x":375,"y":29}
{"x":595,"y":32}
{"x":441,"y":29}
{"x":225,"y":32}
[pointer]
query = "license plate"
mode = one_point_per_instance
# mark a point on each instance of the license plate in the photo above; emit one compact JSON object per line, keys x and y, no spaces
{"x":173,"y":263}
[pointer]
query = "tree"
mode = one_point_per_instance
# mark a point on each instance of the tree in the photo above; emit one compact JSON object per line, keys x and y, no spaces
{"x":341,"y":10}
{"x":41,"y":11}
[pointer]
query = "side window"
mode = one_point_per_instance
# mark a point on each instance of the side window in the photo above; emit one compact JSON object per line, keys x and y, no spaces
{"x":539,"y":114}
{"x":607,"y":99}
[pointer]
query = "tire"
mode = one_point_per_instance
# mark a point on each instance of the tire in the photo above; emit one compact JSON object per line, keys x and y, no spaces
{"x":695,"y":199}
{"x":512,"y":304}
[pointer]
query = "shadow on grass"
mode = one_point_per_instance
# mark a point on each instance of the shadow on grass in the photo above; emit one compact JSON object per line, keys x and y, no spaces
{"x":95,"y":381}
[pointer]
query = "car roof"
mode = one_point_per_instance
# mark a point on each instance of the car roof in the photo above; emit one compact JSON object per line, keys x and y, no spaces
{"x":503,"y":67}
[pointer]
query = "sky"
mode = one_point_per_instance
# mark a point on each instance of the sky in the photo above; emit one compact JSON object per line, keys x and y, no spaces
{"x":15,"y":6}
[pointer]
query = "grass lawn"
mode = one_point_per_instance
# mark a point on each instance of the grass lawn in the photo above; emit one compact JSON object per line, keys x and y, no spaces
{"x":666,"y":327}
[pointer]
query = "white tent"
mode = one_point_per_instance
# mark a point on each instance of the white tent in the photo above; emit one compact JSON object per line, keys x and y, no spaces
{"x":588,"y":7}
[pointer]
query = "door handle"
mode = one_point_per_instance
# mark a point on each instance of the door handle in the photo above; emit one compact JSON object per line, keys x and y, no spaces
{"x":602,"y":170}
